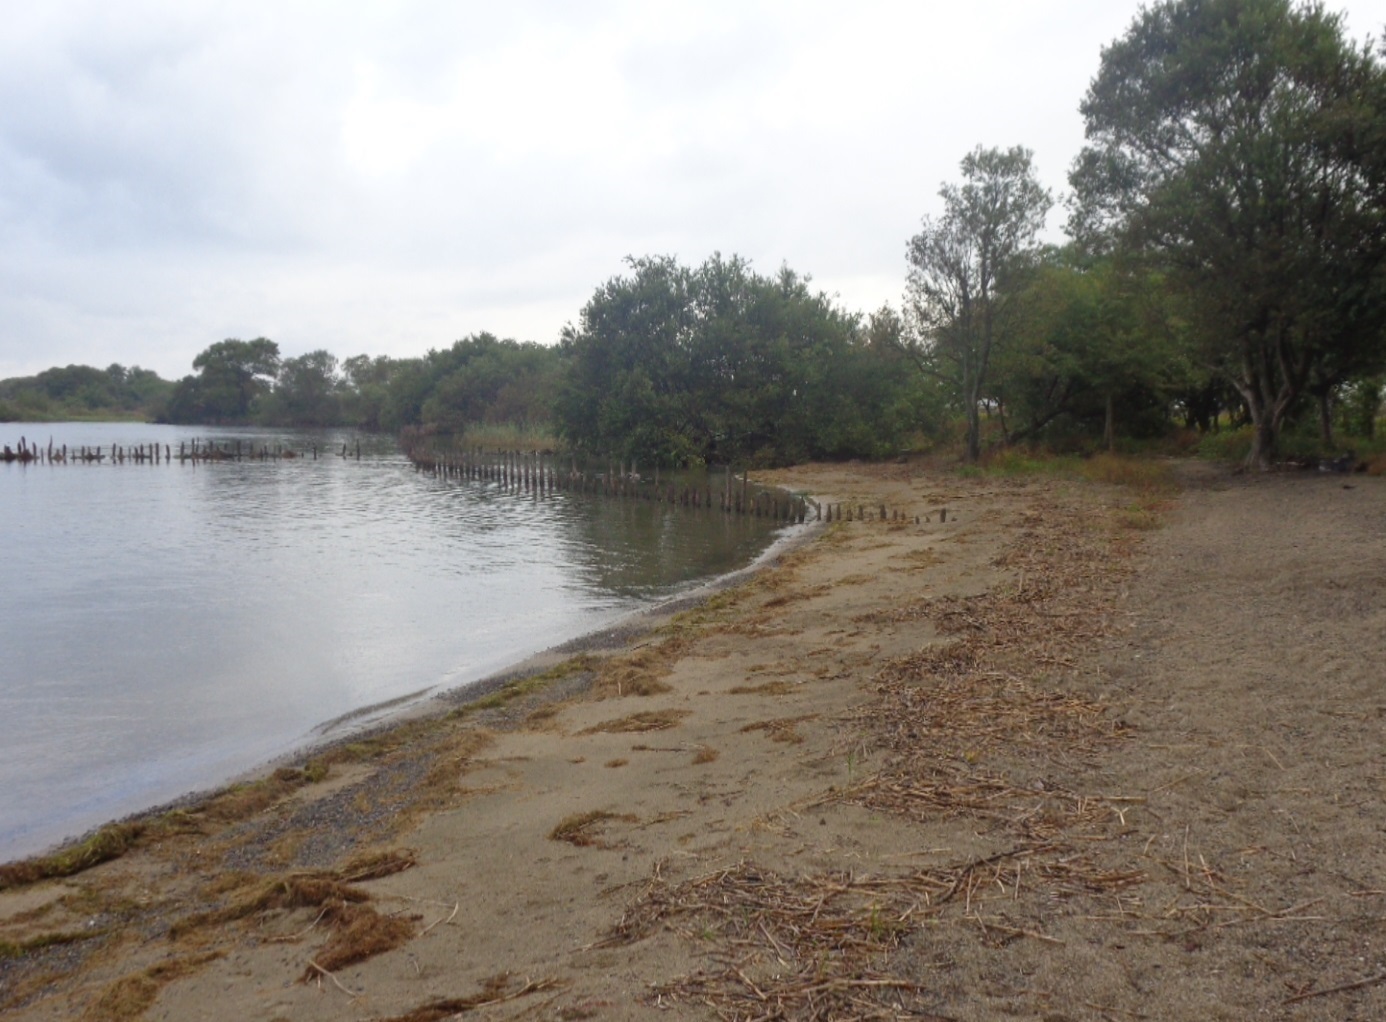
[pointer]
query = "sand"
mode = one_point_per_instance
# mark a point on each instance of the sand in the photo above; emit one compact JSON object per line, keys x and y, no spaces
{"x":1077,"y":752}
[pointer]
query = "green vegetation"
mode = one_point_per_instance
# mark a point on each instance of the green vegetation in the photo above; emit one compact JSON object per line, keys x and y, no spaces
{"x":672,"y":365}
{"x":1237,"y":148}
{"x":1228,"y":261}
{"x":1224,"y":289}
{"x":959,"y":291}
{"x":504,"y":386}
{"x":77,"y":393}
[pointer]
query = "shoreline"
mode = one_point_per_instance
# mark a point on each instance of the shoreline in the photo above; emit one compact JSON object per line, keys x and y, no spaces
{"x":377,"y":719}
{"x":1083,"y":748}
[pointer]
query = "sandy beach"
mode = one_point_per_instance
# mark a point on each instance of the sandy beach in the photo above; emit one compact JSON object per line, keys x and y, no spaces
{"x":1081,"y":750}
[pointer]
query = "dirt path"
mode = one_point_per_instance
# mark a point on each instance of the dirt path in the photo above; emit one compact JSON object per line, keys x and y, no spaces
{"x":1038,"y":760}
{"x":1255,"y":675}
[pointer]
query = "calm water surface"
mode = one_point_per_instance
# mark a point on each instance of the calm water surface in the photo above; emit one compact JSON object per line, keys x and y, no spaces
{"x":165,"y":627}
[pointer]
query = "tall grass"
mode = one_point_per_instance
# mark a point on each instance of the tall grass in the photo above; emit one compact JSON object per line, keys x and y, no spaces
{"x":1146,"y":475}
{"x":1142,"y":474}
{"x":510,"y":436}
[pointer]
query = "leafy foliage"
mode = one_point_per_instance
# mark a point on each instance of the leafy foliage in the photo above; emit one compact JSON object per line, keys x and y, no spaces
{"x":84,"y":392}
{"x":1238,"y":145}
{"x":478,"y":380}
{"x":233,"y":375}
{"x":1089,"y":338}
{"x":675,"y":365}
{"x":962,"y":266}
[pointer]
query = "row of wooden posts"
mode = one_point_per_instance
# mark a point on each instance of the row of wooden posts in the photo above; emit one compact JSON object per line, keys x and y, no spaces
{"x":540,"y":474}
{"x":188,"y":451}
{"x":543,"y":474}
{"x":533,"y":473}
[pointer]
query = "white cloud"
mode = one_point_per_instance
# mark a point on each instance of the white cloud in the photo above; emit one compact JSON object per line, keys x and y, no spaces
{"x":386,"y":178}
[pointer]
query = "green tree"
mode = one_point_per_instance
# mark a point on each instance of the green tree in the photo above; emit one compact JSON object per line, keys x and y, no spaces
{"x":1238,"y":145}
{"x":232,"y":375}
{"x":629,"y":367}
{"x":673,"y":365}
{"x":1090,"y":338}
{"x":307,"y":392}
{"x":959,"y":264}
{"x":365,"y":389}
{"x":483,"y":379}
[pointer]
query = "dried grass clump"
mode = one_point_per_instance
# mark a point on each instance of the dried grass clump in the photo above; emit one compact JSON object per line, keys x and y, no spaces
{"x":19,"y":948}
{"x":637,"y":723}
{"x":329,"y":891}
{"x":495,"y":990}
{"x":245,"y":800}
{"x":783,"y":729}
{"x":303,"y":890}
{"x":131,"y":996}
{"x":1141,"y":517}
{"x":440,"y":785}
{"x":358,"y":932}
{"x":374,"y":865}
{"x":640,"y":672}
{"x":769,"y":688}
{"x":582,"y":829}
{"x":544,"y":718}
{"x":110,"y":842}
{"x":525,"y":687}
{"x":1137,"y":473}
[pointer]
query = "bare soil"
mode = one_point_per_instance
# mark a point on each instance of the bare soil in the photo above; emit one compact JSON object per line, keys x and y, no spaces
{"x":1079,"y":751}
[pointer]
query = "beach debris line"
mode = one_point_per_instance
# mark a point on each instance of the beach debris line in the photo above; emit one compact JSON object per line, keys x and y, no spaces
{"x":823,"y":945}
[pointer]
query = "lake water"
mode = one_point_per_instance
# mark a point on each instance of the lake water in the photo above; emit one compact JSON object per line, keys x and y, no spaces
{"x":166,"y":627}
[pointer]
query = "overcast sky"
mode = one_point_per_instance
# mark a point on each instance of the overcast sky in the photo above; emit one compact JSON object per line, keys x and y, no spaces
{"x":388,"y":177}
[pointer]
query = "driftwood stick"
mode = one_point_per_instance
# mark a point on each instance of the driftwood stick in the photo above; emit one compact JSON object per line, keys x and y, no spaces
{"x":353,"y":994}
{"x":1340,"y":989}
{"x":440,"y":921}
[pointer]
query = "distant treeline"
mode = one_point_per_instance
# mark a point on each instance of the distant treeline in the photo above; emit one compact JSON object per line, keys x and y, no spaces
{"x":667,"y":365}
{"x":674,"y":365}
{"x":84,"y":393}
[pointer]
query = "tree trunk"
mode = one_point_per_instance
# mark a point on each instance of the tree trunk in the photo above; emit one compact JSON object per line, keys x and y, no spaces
{"x":1326,"y":417}
{"x":1262,"y":447}
{"x":974,"y":434}
{"x":972,"y":392}
{"x":1109,"y":427}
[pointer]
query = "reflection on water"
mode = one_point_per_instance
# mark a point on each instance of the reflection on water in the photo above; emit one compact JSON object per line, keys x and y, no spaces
{"x":166,"y":626}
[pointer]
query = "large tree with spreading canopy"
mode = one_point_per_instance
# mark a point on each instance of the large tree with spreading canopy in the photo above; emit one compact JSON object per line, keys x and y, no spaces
{"x":1239,"y":146}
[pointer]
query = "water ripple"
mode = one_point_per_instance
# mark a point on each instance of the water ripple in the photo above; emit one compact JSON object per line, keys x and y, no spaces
{"x":166,"y":626}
